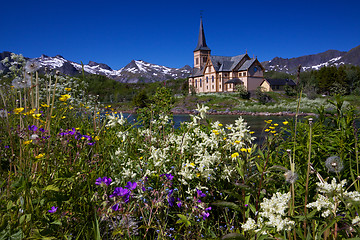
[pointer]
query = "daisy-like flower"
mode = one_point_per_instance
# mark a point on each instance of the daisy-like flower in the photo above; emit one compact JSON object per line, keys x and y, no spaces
{"x":65,"y":97}
{"x":334,"y":164}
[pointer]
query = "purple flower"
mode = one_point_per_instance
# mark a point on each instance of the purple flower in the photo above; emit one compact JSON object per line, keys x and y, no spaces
{"x":205,"y":215}
{"x":208,"y":209}
{"x":33,"y":128}
{"x":178,"y":203}
{"x":170,"y":192}
{"x":169,"y":176}
{"x":121,"y":192}
{"x":131,"y":186}
{"x":72,"y":132}
{"x":91,"y":143}
{"x":7,"y":146}
{"x":171,"y":201}
{"x":104,"y":180}
{"x":41,"y":129}
{"x":53,"y":209}
{"x":200,"y":193}
{"x":115,"y":207}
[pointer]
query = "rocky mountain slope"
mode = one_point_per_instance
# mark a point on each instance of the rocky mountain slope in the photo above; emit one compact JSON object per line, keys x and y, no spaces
{"x":314,"y":61}
{"x":135,"y":71}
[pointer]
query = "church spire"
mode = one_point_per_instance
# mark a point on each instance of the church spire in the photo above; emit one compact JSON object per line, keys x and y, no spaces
{"x":201,"y":41}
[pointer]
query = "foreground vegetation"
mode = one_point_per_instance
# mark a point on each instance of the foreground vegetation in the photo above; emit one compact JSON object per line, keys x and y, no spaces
{"x":73,"y":170}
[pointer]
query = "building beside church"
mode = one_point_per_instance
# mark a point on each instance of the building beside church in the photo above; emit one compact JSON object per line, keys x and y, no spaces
{"x":222,"y":74}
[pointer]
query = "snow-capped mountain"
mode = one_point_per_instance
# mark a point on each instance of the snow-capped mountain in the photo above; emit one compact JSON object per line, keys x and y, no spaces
{"x":314,"y":62}
{"x":135,"y":71}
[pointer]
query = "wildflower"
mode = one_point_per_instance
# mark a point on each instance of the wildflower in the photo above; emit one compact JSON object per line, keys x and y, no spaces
{"x":71,"y":107}
{"x":291,"y":176}
{"x":285,"y":122}
{"x":41,"y":155}
{"x":31,"y":66}
{"x":36,"y":116}
{"x":268,"y":121}
{"x":334,"y":164}
{"x":97,"y":138}
{"x":179,"y":203}
{"x":115,"y":207}
{"x":45,"y":105}
{"x":3,"y":113}
{"x":169,"y":176}
{"x":220,"y":125}
{"x":202,"y":110}
{"x":121,"y":192}
{"x":34,"y":136}
{"x":19,"y":83}
{"x":18,"y":110}
{"x":65,"y":97}
{"x":267,"y":130}
{"x":27,"y":142}
{"x":243,"y":149}
{"x":273,"y":131}
{"x":237,"y":141}
{"x":249,"y":225}
{"x":275,"y":124}
{"x":103,"y":181}
{"x":234,"y":155}
{"x":53,"y":209}
{"x":68,"y":89}
{"x":272,"y":128}
{"x":131,"y":186}
{"x":251,"y":132}
{"x":200,"y":193}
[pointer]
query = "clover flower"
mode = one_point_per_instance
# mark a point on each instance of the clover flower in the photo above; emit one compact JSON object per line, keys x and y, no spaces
{"x":334,"y":164}
{"x":103,"y":181}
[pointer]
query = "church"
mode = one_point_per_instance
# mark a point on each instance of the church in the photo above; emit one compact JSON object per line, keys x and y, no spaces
{"x":221,"y":74}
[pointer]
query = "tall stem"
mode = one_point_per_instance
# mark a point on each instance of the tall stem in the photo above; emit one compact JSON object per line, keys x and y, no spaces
{"x":307,"y":173}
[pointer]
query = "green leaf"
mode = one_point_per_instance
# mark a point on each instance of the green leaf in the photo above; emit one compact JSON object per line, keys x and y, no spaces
{"x":183,"y":219}
{"x":233,"y":236}
{"x":228,"y":205}
{"x":10,"y":205}
{"x":51,"y":188}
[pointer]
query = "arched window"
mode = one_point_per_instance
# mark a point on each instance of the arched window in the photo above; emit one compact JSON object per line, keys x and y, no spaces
{"x":212,"y":78}
{"x":200,"y":82}
{"x":207,"y":80}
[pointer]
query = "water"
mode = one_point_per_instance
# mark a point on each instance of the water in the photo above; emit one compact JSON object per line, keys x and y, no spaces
{"x":256,"y":123}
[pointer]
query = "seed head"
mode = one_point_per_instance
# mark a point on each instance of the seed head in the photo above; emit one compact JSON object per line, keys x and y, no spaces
{"x":291,"y":176}
{"x":334,"y":164}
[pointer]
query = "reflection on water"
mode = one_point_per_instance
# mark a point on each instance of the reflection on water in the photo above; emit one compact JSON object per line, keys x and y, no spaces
{"x":256,"y":123}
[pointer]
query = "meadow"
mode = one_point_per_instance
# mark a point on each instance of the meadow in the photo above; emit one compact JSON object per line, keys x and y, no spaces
{"x":72,"y":168}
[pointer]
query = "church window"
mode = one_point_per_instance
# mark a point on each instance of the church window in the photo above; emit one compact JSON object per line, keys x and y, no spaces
{"x":212,"y":78}
{"x":207,"y":80}
{"x":196,"y":83}
{"x":197,"y":61}
{"x":200,"y":82}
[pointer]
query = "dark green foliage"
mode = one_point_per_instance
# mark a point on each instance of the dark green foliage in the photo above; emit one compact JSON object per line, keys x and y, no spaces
{"x":289,"y":91}
{"x":140,"y":100}
{"x":243,"y":93}
{"x":262,"y":96}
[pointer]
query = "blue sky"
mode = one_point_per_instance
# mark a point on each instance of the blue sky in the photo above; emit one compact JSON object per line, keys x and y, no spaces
{"x":165,"y":32}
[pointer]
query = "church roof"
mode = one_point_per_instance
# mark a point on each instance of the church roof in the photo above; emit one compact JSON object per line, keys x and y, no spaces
{"x":201,"y":41}
{"x":247,"y":64}
{"x":223,"y":64}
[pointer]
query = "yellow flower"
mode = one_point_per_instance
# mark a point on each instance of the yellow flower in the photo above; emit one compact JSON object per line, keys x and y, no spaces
{"x":275,"y":124}
{"x":220,"y":125}
{"x":273,"y":131}
{"x":71,"y":107}
{"x":234,"y":155}
{"x":36,"y":116}
{"x":98,"y":113}
{"x":272,"y":127}
{"x":229,"y":128}
{"x":266,"y":130}
{"x":141,"y":158}
{"x":192,"y":164}
{"x":77,"y":129}
{"x":243,"y":149}
{"x":27,"y":142}
{"x":44,"y":105}
{"x":285,"y":123}
{"x":64,"y":97}
{"x":268,"y":121}
{"x":249,"y":150}
{"x":63,"y":117}
{"x":224,"y":138}
{"x":198,"y":174}
{"x":97,"y":138}
{"x":68,"y":89}
{"x":87,"y":107}
{"x":109,"y":106}
{"x":81,"y":105}
{"x":41,"y":155}
{"x":18,"y":110}
{"x":237,"y":141}
{"x":53,"y":116}
{"x":252,"y":132}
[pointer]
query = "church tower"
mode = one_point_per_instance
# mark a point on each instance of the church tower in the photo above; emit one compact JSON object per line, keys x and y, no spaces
{"x":201,"y":51}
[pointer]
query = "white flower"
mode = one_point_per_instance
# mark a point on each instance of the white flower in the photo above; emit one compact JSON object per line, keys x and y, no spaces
{"x":333,"y":188}
{"x":31,"y":66}
{"x":249,"y":225}
{"x":19,"y":83}
{"x":202,"y":110}
{"x":322,"y":202}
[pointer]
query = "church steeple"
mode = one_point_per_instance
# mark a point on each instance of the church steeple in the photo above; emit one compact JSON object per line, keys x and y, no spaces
{"x":201,"y":45}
